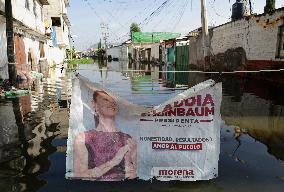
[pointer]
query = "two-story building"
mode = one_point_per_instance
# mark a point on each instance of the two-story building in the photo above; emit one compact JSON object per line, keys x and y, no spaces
{"x":41,"y":34}
{"x":29,"y":35}
{"x":57,"y":26}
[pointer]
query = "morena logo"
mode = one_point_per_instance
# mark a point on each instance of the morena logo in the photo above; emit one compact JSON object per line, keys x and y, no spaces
{"x":175,"y":172}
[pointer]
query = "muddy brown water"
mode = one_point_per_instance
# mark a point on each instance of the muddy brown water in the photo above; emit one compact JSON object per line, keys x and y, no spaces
{"x":33,"y":131}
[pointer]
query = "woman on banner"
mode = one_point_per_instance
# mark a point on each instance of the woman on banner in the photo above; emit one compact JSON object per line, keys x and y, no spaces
{"x":105,"y":153}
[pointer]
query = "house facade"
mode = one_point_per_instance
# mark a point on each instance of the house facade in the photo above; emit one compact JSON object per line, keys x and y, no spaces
{"x":257,"y":40}
{"x":29,"y":35}
{"x":57,"y":27}
{"x":32,"y":37}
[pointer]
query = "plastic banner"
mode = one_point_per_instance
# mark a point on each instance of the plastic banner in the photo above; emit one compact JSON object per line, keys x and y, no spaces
{"x":111,"y":139}
{"x":152,"y":37}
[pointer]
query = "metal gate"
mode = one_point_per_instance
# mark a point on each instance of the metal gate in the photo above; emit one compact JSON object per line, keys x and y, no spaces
{"x":182,"y":64}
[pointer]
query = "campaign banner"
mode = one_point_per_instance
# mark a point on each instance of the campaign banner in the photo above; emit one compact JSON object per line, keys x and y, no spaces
{"x":111,"y":139}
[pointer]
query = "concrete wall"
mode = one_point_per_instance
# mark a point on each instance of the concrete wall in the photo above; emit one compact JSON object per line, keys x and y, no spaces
{"x":124,"y":53}
{"x":3,"y":51}
{"x":34,"y":17}
{"x":65,"y":35}
{"x":2,"y":5}
{"x":33,"y":20}
{"x":195,"y":51}
{"x":56,"y":55}
{"x":56,"y":9}
{"x":155,"y":51}
{"x":256,"y":35}
{"x":114,"y":52}
{"x":34,"y":45}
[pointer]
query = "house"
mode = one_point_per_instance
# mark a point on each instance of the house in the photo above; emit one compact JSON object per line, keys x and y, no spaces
{"x":147,"y":47}
{"x":29,"y":35}
{"x":57,"y":25}
{"x":253,"y":43}
{"x":36,"y":23}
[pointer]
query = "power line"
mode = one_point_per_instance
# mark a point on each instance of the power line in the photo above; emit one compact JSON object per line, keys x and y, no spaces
{"x":184,"y":6}
{"x":101,"y":18}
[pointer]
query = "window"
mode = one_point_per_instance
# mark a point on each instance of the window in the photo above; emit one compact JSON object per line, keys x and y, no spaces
{"x":56,"y":21}
{"x":27,"y":4}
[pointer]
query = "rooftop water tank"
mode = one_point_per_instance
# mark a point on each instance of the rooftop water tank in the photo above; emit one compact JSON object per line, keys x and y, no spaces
{"x":238,"y":10}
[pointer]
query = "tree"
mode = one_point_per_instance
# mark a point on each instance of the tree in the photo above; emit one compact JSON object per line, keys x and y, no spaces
{"x":134,"y":28}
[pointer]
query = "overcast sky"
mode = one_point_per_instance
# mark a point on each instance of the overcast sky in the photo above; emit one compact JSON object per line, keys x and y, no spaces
{"x":174,"y":16}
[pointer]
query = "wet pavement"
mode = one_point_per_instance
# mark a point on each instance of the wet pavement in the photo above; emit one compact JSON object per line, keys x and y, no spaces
{"x":33,"y":131}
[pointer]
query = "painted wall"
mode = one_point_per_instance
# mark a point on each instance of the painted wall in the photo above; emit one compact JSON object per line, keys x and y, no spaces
{"x":195,"y":51}
{"x":56,"y":54}
{"x":2,"y":5}
{"x":155,"y":52}
{"x":3,"y":51}
{"x":56,"y":9}
{"x":31,"y":17}
{"x":124,"y":53}
{"x":65,"y":35}
{"x":257,"y":36}
{"x":34,"y":45}
{"x":114,"y":52}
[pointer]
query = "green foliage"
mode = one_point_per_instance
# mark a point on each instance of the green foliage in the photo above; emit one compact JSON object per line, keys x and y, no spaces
{"x":134,"y":28}
{"x":74,"y":62}
{"x":100,"y":52}
{"x":71,"y":53}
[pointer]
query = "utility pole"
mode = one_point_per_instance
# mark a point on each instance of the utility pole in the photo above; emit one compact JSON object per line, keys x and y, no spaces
{"x":250,"y":7}
{"x":105,"y":35}
{"x":10,"y":42}
{"x":205,"y":33}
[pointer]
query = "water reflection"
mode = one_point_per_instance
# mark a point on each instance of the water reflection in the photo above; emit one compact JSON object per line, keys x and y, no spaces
{"x":33,"y":130}
{"x":33,"y":121}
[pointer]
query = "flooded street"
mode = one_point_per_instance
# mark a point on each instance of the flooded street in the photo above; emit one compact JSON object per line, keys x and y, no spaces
{"x":33,"y":130}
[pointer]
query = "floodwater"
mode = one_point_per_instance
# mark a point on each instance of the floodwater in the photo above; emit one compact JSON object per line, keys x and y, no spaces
{"x":33,"y":131}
